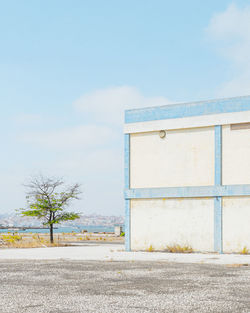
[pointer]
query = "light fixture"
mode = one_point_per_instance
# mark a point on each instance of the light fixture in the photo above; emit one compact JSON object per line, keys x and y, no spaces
{"x":162,"y":134}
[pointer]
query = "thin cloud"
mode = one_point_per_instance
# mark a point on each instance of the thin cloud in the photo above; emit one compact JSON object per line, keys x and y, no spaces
{"x":108,"y":105}
{"x":29,"y":119}
{"x":230,"y":32}
{"x":86,"y":136}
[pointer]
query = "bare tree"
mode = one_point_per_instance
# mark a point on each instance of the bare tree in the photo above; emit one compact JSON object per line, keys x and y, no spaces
{"x":47,"y":200}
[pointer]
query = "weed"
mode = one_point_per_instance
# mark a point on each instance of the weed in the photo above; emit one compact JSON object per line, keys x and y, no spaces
{"x":244,"y":251}
{"x":179,"y":249}
{"x":150,"y":249}
{"x":11,"y":238}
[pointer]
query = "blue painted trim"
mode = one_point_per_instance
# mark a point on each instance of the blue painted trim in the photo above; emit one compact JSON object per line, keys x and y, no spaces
{"x":218,"y":155}
{"x":127,"y":226}
{"x":126,"y":160}
{"x":218,"y":241}
{"x":188,"y":192}
{"x":127,"y":185}
{"x":236,"y":104}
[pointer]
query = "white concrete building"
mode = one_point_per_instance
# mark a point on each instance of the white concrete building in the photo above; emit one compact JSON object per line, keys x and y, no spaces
{"x":187,"y":176}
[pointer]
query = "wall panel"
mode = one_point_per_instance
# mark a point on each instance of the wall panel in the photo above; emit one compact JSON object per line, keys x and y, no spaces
{"x":182,"y":158}
{"x":236,"y":223}
{"x":235,"y":156}
{"x":161,"y":222}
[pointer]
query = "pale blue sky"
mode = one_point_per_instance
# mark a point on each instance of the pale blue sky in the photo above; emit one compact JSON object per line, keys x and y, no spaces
{"x":69,"y":68}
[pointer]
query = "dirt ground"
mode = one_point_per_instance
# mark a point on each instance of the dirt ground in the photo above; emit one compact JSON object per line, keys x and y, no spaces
{"x":35,"y":240}
{"x":61,"y":286}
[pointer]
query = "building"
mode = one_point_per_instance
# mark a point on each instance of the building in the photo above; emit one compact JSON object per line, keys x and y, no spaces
{"x":187,"y":176}
{"x":118,"y":229}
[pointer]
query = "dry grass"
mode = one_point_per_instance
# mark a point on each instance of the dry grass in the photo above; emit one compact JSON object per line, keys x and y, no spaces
{"x":31,"y":244}
{"x":179,"y":249}
{"x":39,"y":240}
{"x":237,"y":265}
{"x":90,"y":237}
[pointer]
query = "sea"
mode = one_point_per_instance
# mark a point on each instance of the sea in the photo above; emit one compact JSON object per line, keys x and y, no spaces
{"x":78,"y":229}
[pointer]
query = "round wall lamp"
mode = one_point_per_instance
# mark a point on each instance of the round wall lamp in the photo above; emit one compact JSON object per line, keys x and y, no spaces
{"x":162,"y":134}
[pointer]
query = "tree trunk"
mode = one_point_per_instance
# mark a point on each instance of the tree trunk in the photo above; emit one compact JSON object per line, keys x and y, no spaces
{"x":51,"y":233}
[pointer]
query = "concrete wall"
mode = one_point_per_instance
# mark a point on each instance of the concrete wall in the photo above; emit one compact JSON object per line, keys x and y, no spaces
{"x":235,"y":156}
{"x":186,"y":157}
{"x":172,"y":221}
{"x":236,"y":223}
{"x":182,"y":158}
{"x":235,"y":170}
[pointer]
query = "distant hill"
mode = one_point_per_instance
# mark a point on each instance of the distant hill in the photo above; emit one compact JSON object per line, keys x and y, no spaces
{"x":91,"y":220}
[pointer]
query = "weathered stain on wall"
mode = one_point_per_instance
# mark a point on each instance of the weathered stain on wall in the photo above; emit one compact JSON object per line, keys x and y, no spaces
{"x":163,"y":223}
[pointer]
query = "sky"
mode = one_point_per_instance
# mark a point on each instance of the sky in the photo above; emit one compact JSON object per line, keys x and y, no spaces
{"x":69,"y":69}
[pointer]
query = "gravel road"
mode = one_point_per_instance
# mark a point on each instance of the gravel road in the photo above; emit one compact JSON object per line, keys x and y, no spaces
{"x":60,"y":286}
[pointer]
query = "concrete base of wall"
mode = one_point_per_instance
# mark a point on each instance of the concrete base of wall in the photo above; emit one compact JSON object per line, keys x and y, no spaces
{"x":158,"y":223}
{"x":236,"y":223}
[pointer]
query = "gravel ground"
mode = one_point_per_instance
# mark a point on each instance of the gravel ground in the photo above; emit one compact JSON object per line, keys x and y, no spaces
{"x":63,"y":286}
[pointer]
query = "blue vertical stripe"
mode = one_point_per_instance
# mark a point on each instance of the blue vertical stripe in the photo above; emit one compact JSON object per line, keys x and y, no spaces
{"x":218,"y":247}
{"x":127,"y":225}
{"x":127,"y":186}
{"x":218,"y":155}
{"x":218,"y":243}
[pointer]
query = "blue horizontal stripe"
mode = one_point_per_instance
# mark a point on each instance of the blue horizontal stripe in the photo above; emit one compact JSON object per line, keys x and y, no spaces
{"x":188,"y":109}
{"x":188,"y":192}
